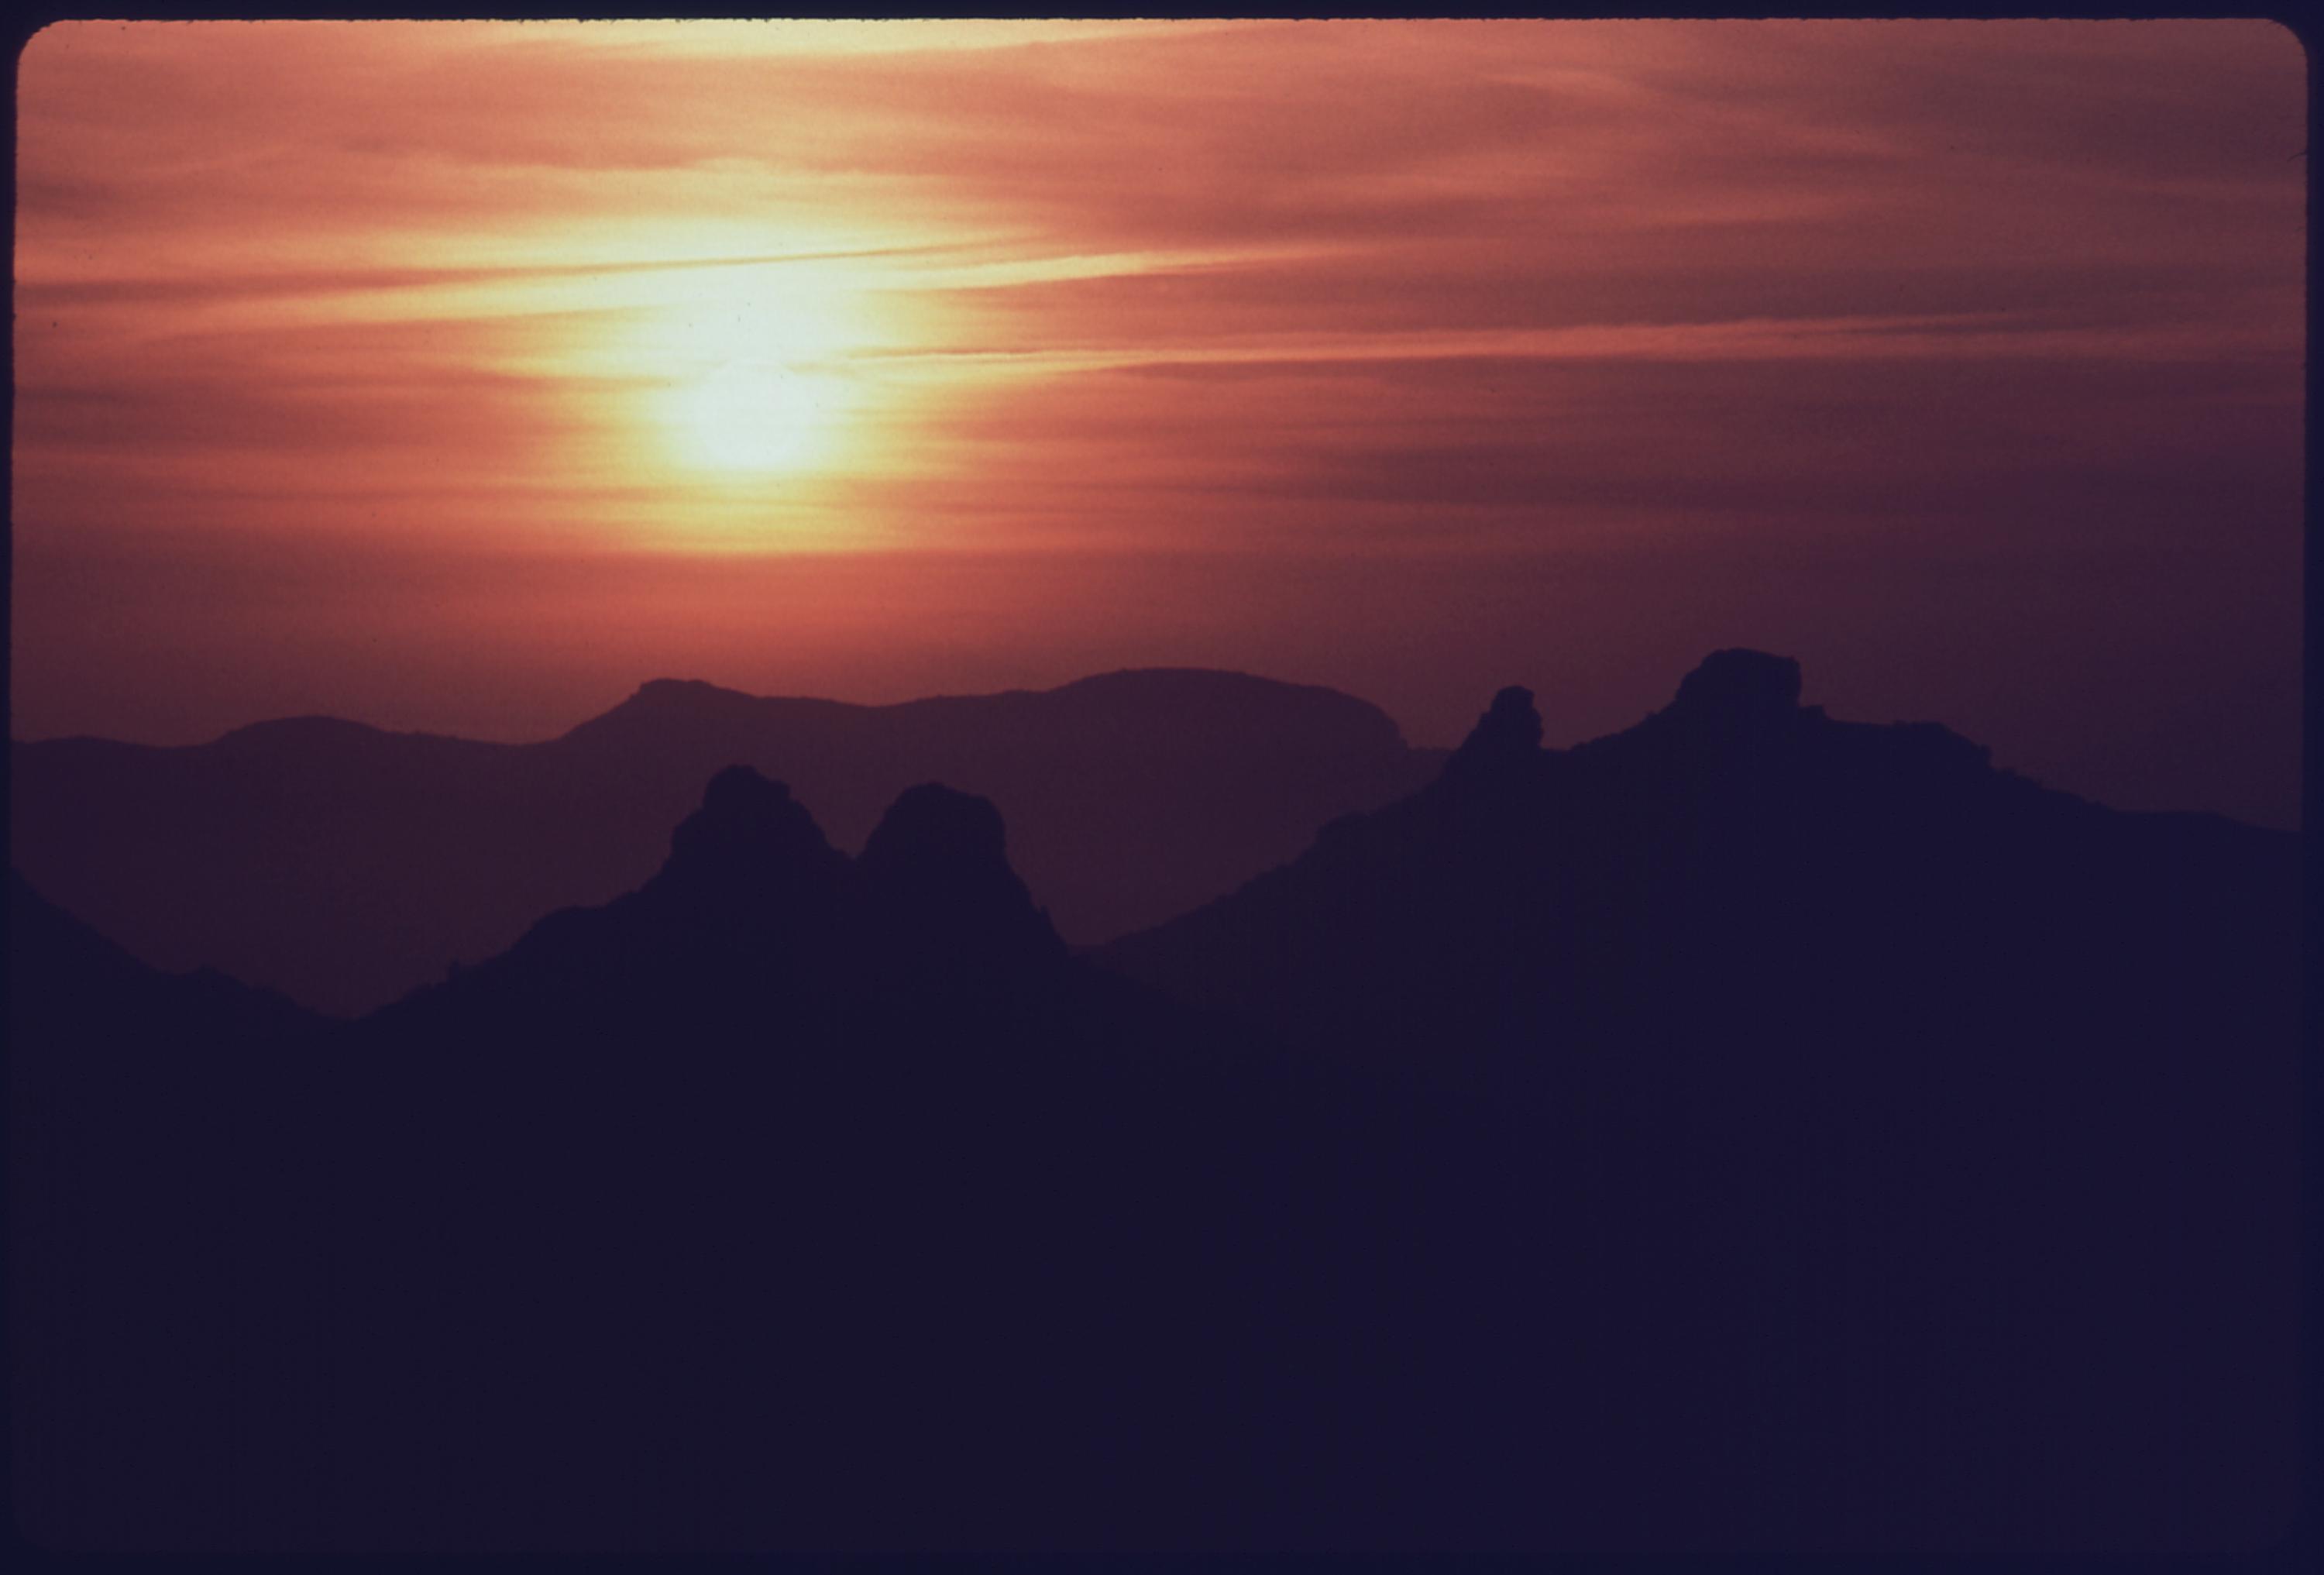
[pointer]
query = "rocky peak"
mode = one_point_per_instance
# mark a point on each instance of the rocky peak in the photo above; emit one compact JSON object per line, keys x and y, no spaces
{"x":666,"y":708}
{"x":936,"y":868}
{"x":935,"y":826}
{"x":1737,"y":691}
{"x":749,"y":834}
{"x":1507,"y":733}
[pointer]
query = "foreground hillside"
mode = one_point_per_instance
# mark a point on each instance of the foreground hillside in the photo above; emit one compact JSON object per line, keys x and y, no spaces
{"x":345,"y":866}
{"x":1952,"y":1118}
{"x":1749,"y":1130}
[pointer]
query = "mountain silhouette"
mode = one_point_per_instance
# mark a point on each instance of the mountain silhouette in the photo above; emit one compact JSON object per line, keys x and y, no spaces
{"x":788,"y":1198}
{"x":157,"y":1165}
{"x":345,"y":866}
{"x":1965,"y":1101}
{"x":1750,"y":1129}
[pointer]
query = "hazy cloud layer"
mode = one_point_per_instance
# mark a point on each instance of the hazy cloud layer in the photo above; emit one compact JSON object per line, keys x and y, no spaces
{"x":1781,"y":333}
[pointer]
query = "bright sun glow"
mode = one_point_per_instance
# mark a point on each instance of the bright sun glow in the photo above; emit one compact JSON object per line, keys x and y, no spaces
{"x":753,"y":416}
{"x":751,"y":375}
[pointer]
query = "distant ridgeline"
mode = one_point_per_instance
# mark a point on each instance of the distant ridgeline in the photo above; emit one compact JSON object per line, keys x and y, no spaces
{"x":1749,"y":1129}
{"x":345,"y":867}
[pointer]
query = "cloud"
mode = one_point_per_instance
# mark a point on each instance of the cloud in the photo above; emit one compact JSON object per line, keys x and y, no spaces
{"x":1639,"y":297}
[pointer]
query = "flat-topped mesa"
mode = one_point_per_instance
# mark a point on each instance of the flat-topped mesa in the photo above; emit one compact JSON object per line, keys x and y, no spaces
{"x":667,"y":709}
{"x":1208,"y":708}
{"x":1736,"y":692}
{"x":937,"y":873}
{"x":676,"y":688}
{"x":1507,"y":734}
{"x":293,"y":734}
{"x":682,"y":697}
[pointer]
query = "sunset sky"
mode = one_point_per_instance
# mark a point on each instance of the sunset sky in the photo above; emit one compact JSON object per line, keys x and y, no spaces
{"x":460,"y":377}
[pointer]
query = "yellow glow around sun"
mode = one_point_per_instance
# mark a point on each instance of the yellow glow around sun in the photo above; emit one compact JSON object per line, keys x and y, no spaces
{"x":751,"y":375}
{"x":753,"y":417}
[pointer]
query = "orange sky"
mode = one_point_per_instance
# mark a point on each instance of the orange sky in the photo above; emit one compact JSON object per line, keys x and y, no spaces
{"x":462,"y":376}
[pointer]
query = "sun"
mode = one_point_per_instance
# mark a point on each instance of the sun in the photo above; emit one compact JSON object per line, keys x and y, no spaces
{"x":746,"y":418}
{"x":751,"y":375}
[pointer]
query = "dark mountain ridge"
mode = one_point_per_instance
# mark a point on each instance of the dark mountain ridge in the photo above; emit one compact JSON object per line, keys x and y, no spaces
{"x":1734,"y":807}
{"x":344,"y":865}
{"x":1926,"y":1074}
{"x":156,"y":1166}
{"x":1746,"y":1130}
{"x":769,"y":1167}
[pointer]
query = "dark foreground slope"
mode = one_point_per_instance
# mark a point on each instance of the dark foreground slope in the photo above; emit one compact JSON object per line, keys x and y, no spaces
{"x":1923,"y":1138}
{"x":346,"y":866}
{"x":156,"y":1172}
{"x":1749,"y":1130}
{"x":790,"y":1200}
